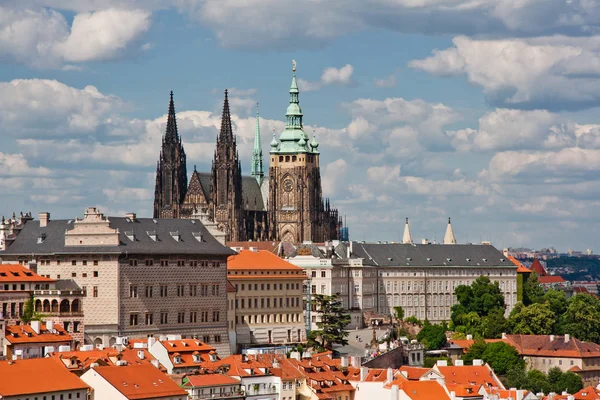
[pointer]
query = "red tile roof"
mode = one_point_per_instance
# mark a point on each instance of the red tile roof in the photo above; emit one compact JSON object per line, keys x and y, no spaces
{"x":538,"y":268}
{"x":466,"y":344}
{"x":186,"y":346}
{"x":504,"y":393}
{"x":553,"y":346}
{"x":19,"y":273}
{"x":82,"y":360}
{"x":142,"y":381}
{"x":520,"y":267}
{"x":17,"y":334}
{"x":463,"y":379}
{"x":413,"y":373}
{"x":230,"y":287}
{"x":259,"y":260}
{"x":587,"y":393}
{"x":37,"y":375}
{"x":210,"y":380}
{"x":421,"y":390}
{"x":546,"y":279}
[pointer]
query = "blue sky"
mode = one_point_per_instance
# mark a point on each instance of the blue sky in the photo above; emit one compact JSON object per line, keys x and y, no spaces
{"x":486,"y":111}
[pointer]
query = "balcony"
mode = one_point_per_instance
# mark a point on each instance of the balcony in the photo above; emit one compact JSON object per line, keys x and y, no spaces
{"x":257,"y":392}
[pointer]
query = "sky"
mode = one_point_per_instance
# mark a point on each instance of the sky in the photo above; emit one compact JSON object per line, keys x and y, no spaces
{"x":486,"y":111}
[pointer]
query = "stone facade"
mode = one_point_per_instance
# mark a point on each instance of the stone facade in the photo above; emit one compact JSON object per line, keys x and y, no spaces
{"x":161,"y":276}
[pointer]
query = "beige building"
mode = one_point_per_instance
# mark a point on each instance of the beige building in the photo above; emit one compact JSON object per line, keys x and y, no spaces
{"x":140,"y":276}
{"x":268,"y":303}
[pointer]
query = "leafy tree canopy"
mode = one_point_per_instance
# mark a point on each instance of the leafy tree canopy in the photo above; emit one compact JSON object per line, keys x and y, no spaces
{"x":501,"y":357}
{"x":333,"y":322}
{"x":581,"y":317}
{"x":535,"y":319}
{"x":533,"y":292}
{"x":433,"y":336}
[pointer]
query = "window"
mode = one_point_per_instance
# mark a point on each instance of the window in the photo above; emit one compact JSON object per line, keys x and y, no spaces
{"x":243,"y":303}
{"x":95,"y":291}
{"x":95,"y":274}
{"x":215,"y":316}
{"x":193,"y":316}
{"x":148,"y":291}
{"x":323,"y":273}
{"x":149,"y":263}
{"x":149,"y":319}
{"x":133,"y":319}
{"x":181,"y":263}
{"x":180,"y":290}
{"x":268,"y":286}
{"x":164,"y":263}
{"x":73,"y":274}
{"x":133,"y":263}
{"x":204,"y":316}
{"x":206,"y":339}
{"x":262,"y":286}
{"x":180,"y":317}
{"x":193,"y":290}
{"x":84,"y":262}
{"x":164,"y":318}
{"x":164,"y":290}
{"x":217,"y":338}
{"x":215,"y":290}
{"x":133,"y":291}
{"x":73,"y":262}
{"x":262,"y":303}
{"x":95,"y":262}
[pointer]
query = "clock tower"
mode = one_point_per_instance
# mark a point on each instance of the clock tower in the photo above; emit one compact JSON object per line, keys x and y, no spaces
{"x":297,"y":211}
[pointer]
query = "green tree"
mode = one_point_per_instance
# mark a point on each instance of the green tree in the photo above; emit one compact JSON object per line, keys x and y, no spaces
{"x":414,"y":320}
{"x":433,"y":336}
{"x":569,"y":382}
{"x":399,"y":315}
{"x":557,"y":301}
{"x":494,"y":324}
{"x":475,"y":352}
{"x":501,"y":357}
{"x":535,"y":319}
{"x":537,"y":382}
{"x":429,"y":362}
{"x":29,"y":311}
{"x":333,"y":322}
{"x":468,"y":324}
{"x":516,"y":376}
{"x":481,"y":297}
{"x":533,"y":292}
{"x":581,"y":317}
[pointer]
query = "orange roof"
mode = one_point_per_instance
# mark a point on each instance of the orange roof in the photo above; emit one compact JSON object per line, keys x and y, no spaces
{"x":20,"y":273}
{"x":421,"y":390}
{"x":142,"y":381}
{"x":109,"y":356}
{"x":553,"y":346}
{"x":211,"y":380}
{"x":470,"y":375}
{"x":466,"y":344}
{"x":538,"y":268}
{"x":186,"y":346}
{"x":249,"y":260}
{"x":504,"y":393}
{"x":413,"y":373}
{"x":16,"y":334}
{"x":520,"y":267}
{"x":36,"y":375}
{"x":550,"y":279}
{"x":587,"y":393}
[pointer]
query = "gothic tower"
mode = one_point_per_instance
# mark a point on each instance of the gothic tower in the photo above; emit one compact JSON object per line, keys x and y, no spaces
{"x":296,"y":208}
{"x":171,"y":173}
{"x":226,"y":181}
{"x":257,"y":157}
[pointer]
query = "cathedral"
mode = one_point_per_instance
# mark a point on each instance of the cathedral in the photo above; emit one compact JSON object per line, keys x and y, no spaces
{"x":286,"y":205}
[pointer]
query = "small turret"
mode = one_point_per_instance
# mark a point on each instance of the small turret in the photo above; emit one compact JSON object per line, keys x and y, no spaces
{"x":449,"y":236}
{"x":407,"y":238}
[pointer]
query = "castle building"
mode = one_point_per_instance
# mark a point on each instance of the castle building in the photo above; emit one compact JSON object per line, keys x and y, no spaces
{"x":285,"y":205}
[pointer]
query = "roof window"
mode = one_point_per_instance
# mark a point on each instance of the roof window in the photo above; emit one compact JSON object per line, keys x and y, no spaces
{"x":41,"y":238}
{"x":197,"y":236}
{"x":175,"y":235}
{"x":151,"y":235}
{"x":130,"y":235}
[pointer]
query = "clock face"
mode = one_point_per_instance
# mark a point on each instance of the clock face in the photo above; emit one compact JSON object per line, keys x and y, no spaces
{"x":287,"y":185}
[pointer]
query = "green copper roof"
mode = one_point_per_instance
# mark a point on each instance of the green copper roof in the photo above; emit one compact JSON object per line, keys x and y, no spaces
{"x":293,"y":139}
{"x":257,"y":158}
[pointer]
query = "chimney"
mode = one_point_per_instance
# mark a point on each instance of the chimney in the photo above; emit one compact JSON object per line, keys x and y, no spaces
{"x":364,"y":371}
{"x":459,"y":363}
{"x":151,"y":342}
{"x":49,"y":326}
{"x":452,"y":395}
{"x":344,"y":361}
{"x":425,"y":241}
{"x":503,"y":335}
{"x":520,"y":394}
{"x":33,"y":266}
{"x":155,"y":363}
{"x":552,"y":338}
{"x":390,"y":375}
{"x":444,"y":363}
{"x":141,"y":354}
{"x":395,"y":395}
{"x":477,"y":362}
{"x":44,"y":218}
{"x":469,"y":337}
{"x":567,"y":338}
{"x":130,"y":215}
{"x":35,"y":325}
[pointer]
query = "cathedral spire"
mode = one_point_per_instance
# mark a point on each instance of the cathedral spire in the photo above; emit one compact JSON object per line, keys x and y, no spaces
{"x":407,"y":238}
{"x":257,"y":157}
{"x":449,"y":236}
{"x":226,"y":130}
{"x":171,"y":132}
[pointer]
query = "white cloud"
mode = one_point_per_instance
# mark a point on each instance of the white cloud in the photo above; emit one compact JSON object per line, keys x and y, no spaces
{"x":545,"y":72}
{"x":16,"y":165}
{"x":334,"y":177}
{"x":330,"y":76}
{"x":41,"y":38}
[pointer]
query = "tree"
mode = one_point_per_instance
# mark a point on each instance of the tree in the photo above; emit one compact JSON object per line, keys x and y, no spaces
{"x":569,"y":382}
{"x":433,"y":336}
{"x":557,"y":301}
{"x":581,"y":317}
{"x":516,"y":376}
{"x":429,"y":362}
{"x":501,"y":357}
{"x":414,"y":320}
{"x":29,"y":311}
{"x":399,"y":315}
{"x":533,"y":292}
{"x":475,"y":351}
{"x":494,"y":324}
{"x":535,"y":319}
{"x":333,"y":322}
{"x":537,"y":382}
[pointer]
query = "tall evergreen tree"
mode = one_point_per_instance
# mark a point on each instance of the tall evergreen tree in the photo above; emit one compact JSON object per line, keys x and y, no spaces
{"x":333,"y":322}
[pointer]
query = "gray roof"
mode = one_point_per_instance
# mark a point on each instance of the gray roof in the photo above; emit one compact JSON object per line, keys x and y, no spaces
{"x":67,"y":284}
{"x":251,"y":191}
{"x":26,"y":242}
{"x":458,"y":255}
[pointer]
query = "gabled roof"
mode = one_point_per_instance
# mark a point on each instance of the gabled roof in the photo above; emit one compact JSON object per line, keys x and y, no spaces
{"x":520,"y":267}
{"x":587,"y":393}
{"x":553,"y":346}
{"x":471,"y":376}
{"x":17,"y":334}
{"x":82,"y":360}
{"x":36,"y":375}
{"x":186,"y":346}
{"x":142,"y":381}
{"x":14,"y":273}
{"x":465,"y":344}
{"x":413,"y":373}
{"x":189,"y":231}
{"x":406,"y":255}
{"x":259,"y":260}
{"x":538,"y":268}
{"x":210,"y":380}
{"x":421,"y":390}
{"x":547,"y":279}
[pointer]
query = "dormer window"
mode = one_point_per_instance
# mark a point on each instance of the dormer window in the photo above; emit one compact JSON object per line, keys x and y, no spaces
{"x":197,"y":358}
{"x":41,"y":238}
{"x":130,"y":235}
{"x":197,"y":236}
{"x":151,"y":235}
{"x":175,"y":235}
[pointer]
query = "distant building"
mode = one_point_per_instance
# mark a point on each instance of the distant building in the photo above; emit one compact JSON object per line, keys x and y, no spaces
{"x":140,"y":276}
{"x":544,"y":278}
{"x":131,"y":382}
{"x":35,"y":340}
{"x":213,"y":386}
{"x":268,"y":304}
{"x":42,"y":378}
{"x":180,"y":356}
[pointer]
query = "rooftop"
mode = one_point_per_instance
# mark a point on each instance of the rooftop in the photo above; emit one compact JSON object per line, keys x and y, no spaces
{"x":553,"y":346}
{"x":210,"y":380}
{"x":18,"y":334}
{"x":49,"y":376}
{"x":260,"y":260}
{"x":142,"y":381}
{"x":19,"y":273}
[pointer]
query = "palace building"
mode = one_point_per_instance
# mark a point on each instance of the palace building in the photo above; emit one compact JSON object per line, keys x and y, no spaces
{"x":286,"y":204}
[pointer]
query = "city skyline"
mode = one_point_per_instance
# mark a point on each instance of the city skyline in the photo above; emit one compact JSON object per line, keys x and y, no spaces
{"x":491,"y":120}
